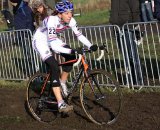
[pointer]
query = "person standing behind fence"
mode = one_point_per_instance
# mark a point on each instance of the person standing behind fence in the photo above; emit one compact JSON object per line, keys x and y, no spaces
{"x":122,"y":12}
{"x":147,"y":10}
{"x":23,"y":19}
{"x":23,"y":15}
{"x":157,"y":9}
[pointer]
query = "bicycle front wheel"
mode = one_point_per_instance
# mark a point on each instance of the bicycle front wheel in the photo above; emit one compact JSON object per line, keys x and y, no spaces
{"x":100,"y":97}
{"x":40,"y":105}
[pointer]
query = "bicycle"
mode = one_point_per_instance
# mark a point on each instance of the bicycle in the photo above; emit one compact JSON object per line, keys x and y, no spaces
{"x":99,"y":93}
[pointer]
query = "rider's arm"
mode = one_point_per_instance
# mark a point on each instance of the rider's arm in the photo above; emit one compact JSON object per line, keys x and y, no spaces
{"x":79,"y":35}
{"x":55,"y":43}
{"x":57,"y":46}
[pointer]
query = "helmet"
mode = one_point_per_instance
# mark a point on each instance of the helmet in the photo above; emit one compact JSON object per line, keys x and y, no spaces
{"x":64,"y":6}
{"x":37,"y":3}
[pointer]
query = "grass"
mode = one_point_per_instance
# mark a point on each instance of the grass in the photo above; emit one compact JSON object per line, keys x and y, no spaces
{"x":3,"y":24}
{"x":94,"y":12}
{"x":12,"y":84}
{"x":92,"y":5}
{"x":97,"y":17}
{"x":23,"y":84}
{"x":3,"y":27}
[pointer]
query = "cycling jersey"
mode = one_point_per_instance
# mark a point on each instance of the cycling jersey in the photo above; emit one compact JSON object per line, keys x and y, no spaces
{"x":46,"y":35}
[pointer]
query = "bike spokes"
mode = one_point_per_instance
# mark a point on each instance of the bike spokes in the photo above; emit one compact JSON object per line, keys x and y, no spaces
{"x":99,"y":101}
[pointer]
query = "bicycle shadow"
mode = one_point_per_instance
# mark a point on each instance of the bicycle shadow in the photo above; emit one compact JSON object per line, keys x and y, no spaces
{"x":78,"y":110}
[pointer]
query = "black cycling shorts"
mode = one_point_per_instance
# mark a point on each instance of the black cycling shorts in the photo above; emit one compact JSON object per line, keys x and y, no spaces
{"x":53,"y":68}
{"x":67,"y":67}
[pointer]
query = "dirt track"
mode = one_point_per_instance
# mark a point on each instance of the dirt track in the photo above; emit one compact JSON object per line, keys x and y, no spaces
{"x":141,"y":111}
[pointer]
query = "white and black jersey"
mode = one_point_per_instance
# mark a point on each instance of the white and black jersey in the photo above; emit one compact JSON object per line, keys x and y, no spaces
{"x":47,"y":35}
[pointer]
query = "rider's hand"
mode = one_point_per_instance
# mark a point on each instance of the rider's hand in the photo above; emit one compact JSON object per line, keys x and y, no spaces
{"x":93,"y":48}
{"x":78,"y":51}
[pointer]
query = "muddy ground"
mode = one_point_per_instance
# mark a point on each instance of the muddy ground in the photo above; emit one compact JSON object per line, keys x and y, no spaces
{"x":141,"y":111}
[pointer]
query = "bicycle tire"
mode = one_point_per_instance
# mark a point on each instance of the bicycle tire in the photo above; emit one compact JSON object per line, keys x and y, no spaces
{"x":38,"y":108}
{"x":104,"y":108}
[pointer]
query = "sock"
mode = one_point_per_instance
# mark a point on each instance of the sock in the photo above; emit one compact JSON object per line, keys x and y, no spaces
{"x":60,"y":103}
{"x":63,"y":81}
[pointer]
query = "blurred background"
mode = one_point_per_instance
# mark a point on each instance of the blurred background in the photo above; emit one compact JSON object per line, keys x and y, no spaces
{"x":87,"y":13}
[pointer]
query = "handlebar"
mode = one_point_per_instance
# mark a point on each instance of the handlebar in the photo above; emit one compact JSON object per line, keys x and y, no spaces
{"x":102,"y":48}
{"x":101,"y":56}
{"x":78,"y":61}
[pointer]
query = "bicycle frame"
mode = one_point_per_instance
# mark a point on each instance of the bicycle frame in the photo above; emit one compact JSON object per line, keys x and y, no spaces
{"x":92,"y":95}
{"x":83,"y":69}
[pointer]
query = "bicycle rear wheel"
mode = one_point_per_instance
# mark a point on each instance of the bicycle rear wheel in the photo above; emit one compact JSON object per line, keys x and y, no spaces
{"x":41,"y":106}
{"x":100,"y":97}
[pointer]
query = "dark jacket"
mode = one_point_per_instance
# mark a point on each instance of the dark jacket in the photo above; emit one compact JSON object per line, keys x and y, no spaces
{"x":124,"y":11}
{"x":9,"y":18}
{"x":157,"y":9}
{"x":23,"y":17}
{"x":15,"y":8}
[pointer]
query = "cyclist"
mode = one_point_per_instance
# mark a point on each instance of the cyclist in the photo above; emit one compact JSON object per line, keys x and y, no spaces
{"x":46,"y":37}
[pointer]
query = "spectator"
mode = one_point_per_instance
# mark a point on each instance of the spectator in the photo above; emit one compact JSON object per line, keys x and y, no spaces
{"x":23,"y":19}
{"x":146,"y":10}
{"x":122,"y":12}
{"x":23,"y":15}
{"x":157,"y":9}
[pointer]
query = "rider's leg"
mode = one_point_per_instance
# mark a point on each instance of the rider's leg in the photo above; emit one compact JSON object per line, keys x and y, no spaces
{"x":52,"y":64}
{"x":63,"y":80}
{"x":55,"y":84}
{"x":57,"y":93}
{"x":62,"y":106}
{"x":66,"y":70}
{"x":64,"y":76}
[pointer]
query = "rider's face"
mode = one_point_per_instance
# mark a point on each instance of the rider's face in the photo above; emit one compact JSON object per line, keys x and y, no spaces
{"x":66,"y":16}
{"x":40,"y":9}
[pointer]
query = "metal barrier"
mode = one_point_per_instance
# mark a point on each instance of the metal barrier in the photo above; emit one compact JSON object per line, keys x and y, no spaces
{"x":133,"y":61}
{"x":112,"y":61}
{"x":141,"y":53}
{"x":16,"y":61}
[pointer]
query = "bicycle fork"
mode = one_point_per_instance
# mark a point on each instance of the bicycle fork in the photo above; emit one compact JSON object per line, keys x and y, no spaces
{"x":75,"y":82}
{"x":98,"y":97}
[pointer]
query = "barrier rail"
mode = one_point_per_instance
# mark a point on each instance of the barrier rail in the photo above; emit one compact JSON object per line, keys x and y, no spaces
{"x":16,"y":61}
{"x":133,"y":56}
{"x":142,"y":42}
